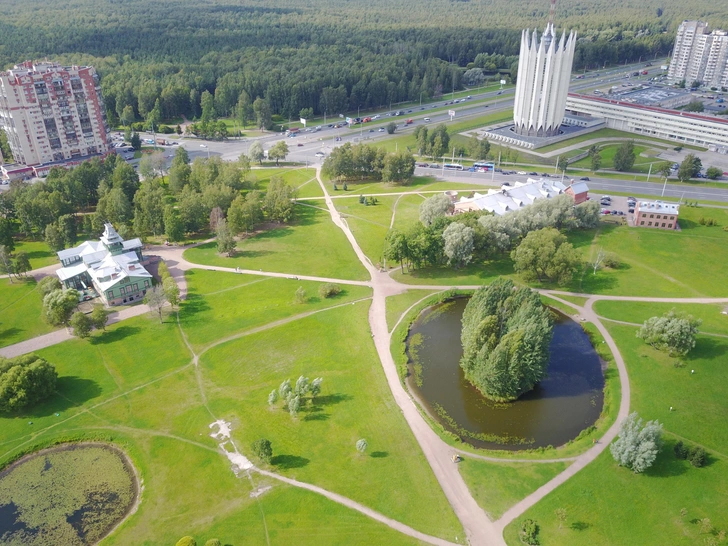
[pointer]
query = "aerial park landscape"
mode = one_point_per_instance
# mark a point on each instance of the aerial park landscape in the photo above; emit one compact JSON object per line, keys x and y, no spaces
{"x":347,"y":350}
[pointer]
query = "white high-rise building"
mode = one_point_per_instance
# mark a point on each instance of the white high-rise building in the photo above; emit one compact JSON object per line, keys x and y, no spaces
{"x":699,"y":55}
{"x":544,"y":71}
{"x":51,"y":113}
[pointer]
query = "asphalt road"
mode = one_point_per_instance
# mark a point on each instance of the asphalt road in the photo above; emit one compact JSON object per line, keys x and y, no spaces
{"x":603,"y":185}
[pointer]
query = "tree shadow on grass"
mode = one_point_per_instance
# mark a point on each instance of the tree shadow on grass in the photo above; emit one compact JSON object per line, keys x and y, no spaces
{"x":71,"y":392}
{"x":666,"y":465}
{"x":379,"y":454}
{"x":286,"y":462}
{"x":8,"y":333}
{"x":580,"y":526}
{"x":192,"y":306}
{"x":117,"y":334}
{"x":708,"y":348}
{"x":331,"y":399}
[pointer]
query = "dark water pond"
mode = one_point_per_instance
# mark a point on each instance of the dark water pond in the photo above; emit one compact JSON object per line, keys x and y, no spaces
{"x":556,"y":411}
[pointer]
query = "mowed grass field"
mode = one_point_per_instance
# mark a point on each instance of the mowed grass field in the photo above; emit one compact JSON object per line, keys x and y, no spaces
{"x":20,"y":312}
{"x":137,"y":386}
{"x":498,"y":486}
{"x":319,"y":445}
{"x":607,"y":504}
{"x":223,"y":304}
{"x":38,"y":252}
{"x":310,"y":245}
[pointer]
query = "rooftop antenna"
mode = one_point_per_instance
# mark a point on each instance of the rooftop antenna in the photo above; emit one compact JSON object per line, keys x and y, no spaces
{"x":552,"y":12}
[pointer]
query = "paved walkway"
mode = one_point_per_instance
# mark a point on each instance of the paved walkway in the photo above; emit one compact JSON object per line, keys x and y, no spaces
{"x":59,"y":336}
{"x":479,"y":529}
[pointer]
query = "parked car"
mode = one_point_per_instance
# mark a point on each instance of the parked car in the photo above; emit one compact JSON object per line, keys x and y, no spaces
{"x":381,"y":129}
{"x":320,"y":154}
{"x":533,"y":173}
{"x":426,"y":120}
{"x":584,"y":178}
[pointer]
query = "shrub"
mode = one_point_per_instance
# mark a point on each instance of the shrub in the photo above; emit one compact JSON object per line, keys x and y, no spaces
{"x":681,"y":451}
{"x":329,"y":289}
{"x":361,"y":445}
{"x":263,"y":450}
{"x":529,"y":532}
{"x":697,"y":455}
{"x":213,"y":542}
{"x":300,"y":295}
{"x":611,"y":260}
{"x":186,"y":541}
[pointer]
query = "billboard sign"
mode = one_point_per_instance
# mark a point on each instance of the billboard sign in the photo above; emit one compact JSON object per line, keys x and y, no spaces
{"x":451,"y":113}
{"x":303,"y":122}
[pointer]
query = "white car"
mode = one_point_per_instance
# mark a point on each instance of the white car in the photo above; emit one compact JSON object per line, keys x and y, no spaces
{"x":381,"y":129}
{"x":376,"y":117}
{"x":522,"y":172}
{"x":427,"y":119}
{"x":320,"y":154}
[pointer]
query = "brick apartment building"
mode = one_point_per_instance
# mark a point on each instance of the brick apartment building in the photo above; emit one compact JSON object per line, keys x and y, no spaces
{"x":656,"y":214}
{"x":53,"y":114}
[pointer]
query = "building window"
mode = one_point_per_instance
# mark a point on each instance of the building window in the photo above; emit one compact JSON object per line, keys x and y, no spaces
{"x":146,"y":284}
{"x":642,"y":223}
{"x":658,"y":216}
{"x":652,"y":215}
{"x":663,"y":224}
{"x":136,"y":288}
{"x":649,"y":224}
{"x":109,"y":295}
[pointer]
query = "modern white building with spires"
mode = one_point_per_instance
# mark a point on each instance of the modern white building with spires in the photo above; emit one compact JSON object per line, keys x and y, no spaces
{"x":111,"y":266}
{"x":544,"y":71}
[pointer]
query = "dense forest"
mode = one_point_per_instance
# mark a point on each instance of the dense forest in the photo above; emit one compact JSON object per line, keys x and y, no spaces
{"x":332,"y":56}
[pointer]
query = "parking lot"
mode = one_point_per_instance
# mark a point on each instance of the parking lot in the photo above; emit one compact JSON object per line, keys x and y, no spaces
{"x":616,"y":206}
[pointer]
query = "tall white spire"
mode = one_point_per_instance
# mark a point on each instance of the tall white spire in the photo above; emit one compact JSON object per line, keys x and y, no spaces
{"x":544,"y":72}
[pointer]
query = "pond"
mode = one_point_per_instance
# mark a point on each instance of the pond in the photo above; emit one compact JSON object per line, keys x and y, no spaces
{"x":561,"y":406}
{"x":73,"y":494}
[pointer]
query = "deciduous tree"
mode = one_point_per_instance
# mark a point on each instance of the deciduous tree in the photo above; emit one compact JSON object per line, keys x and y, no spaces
{"x":435,"y":207}
{"x":58,"y":306}
{"x":24,"y":381}
{"x":673,"y":332}
{"x":637,"y":447}
{"x":81,"y":324}
{"x":458,"y":244}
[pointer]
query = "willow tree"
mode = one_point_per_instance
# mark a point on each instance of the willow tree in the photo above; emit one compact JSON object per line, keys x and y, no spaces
{"x":505,"y":335}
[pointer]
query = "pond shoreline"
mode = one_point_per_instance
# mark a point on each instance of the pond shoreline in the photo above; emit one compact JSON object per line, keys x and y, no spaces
{"x":561,"y":408}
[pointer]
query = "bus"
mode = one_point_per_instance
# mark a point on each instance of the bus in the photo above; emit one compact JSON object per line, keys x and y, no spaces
{"x":453,"y":167}
{"x":485,"y":167}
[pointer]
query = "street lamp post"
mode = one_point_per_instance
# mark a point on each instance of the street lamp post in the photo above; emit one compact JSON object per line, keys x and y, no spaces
{"x":208,"y":150}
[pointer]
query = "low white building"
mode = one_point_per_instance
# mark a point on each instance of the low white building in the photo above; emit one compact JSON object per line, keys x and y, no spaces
{"x":508,"y":198}
{"x":685,"y":127}
{"x":111,"y":266}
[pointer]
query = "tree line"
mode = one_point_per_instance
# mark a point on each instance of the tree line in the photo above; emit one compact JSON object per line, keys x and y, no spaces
{"x":328,"y":56}
{"x":532,"y":236}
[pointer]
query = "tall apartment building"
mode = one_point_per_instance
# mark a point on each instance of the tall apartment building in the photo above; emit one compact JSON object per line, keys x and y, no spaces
{"x":52,"y":113}
{"x":700,"y":55}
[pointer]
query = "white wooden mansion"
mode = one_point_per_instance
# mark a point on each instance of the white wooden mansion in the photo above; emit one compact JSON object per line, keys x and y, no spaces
{"x":111,"y":266}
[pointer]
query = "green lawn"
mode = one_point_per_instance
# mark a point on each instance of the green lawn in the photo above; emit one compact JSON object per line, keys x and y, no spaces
{"x":38,"y":253}
{"x":498,"y":486}
{"x":220,"y":304}
{"x":295,"y":176}
{"x":612,"y":133}
{"x":368,"y":223}
{"x":356,"y":402}
{"x":368,"y":187}
{"x":638,"y":312}
{"x":610,"y":505}
{"x":135,"y":385}
{"x":641,"y":164}
{"x":20,"y":312}
{"x":310,"y":245}
{"x":578,"y":300}
{"x":653,"y":261}
{"x":397,"y":305}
